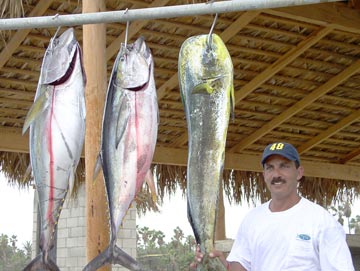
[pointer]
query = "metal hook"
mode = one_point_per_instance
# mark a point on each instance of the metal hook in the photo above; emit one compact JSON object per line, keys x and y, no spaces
{"x":126,"y":29}
{"x":126,"y":33}
{"x":54,"y":37}
{"x":209,"y":39}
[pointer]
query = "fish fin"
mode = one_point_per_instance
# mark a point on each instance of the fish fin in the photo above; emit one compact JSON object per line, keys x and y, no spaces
{"x":38,"y":264}
{"x":183,"y":99}
{"x":113,"y":256}
{"x":203,"y":88}
{"x":27,"y":174}
{"x":71,"y":181}
{"x":122,"y":121}
{"x":100,"y":260}
{"x":149,"y":179}
{"x":197,"y":238}
{"x":232,"y":103}
{"x":39,"y":106}
{"x":208,"y":86}
{"x":98,"y":166}
{"x":124,"y":259}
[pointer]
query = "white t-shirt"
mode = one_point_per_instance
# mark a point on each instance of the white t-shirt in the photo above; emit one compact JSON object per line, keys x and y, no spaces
{"x":304,"y":238}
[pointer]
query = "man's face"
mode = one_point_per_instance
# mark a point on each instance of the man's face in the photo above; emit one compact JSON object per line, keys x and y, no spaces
{"x":281,"y":177}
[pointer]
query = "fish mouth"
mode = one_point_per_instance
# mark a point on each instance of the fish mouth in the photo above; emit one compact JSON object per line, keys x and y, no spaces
{"x":143,"y":86}
{"x":139,"y":88}
{"x":278,"y":181}
{"x":68,"y":73}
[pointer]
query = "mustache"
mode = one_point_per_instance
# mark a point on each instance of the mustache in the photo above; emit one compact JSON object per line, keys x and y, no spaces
{"x":278,"y":180}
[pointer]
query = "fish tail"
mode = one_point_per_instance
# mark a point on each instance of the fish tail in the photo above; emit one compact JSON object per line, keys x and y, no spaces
{"x":124,"y":259}
{"x":100,"y":260}
{"x":38,"y":263}
{"x":113,"y":255}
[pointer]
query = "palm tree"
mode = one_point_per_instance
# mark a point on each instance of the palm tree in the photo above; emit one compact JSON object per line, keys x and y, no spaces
{"x":355,"y":224}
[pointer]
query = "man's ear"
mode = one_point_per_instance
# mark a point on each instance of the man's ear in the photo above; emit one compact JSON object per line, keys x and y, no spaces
{"x":300,"y":173}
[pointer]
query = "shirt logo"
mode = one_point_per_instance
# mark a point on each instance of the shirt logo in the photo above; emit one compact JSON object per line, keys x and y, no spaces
{"x":303,"y":237}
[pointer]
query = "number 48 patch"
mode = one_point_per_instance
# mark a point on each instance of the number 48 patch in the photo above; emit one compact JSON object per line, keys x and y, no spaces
{"x":277,"y":146}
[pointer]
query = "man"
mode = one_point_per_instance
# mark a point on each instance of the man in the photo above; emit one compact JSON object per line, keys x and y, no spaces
{"x":288,"y":232}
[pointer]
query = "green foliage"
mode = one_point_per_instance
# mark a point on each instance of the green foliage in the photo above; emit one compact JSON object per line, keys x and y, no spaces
{"x":343,"y":211}
{"x":11,"y":257}
{"x":355,"y":224}
{"x":157,"y":255}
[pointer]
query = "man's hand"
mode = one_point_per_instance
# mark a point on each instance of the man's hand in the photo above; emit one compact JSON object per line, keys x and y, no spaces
{"x":213,"y":254}
{"x":230,"y":266}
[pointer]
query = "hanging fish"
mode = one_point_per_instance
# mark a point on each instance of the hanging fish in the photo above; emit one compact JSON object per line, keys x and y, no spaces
{"x":57,"y":133}
{"x":207,"y":92}
{"x":129,"y":134}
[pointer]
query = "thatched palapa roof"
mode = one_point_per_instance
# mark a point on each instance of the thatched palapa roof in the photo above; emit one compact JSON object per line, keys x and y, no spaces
{"x":296,"y":79}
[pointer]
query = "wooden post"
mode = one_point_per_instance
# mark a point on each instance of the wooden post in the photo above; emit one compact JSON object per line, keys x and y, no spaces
{"x":94,"y":47}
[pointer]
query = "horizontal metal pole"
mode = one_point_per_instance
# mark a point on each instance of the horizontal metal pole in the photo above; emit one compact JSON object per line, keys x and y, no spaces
{"x":149,"y":13}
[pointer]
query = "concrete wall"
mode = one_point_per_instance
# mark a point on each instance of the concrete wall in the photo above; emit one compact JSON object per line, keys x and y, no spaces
{"x":71,"y":239}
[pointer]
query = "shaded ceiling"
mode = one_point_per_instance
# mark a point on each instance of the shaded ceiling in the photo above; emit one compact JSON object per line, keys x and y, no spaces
{"x":296,"y":79}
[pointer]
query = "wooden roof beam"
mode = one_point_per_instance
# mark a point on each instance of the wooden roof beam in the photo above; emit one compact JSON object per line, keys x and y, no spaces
{"x":354,"y":4}
{"x":317,"y":93}
{"x":337,"y":14}
{"x":243,"y":162}
{"x":329,"y":132}
{"x":281,"y":63}
{"x":20,"y":35}
{"x":350,"y":156}
{"x":13,"y":141}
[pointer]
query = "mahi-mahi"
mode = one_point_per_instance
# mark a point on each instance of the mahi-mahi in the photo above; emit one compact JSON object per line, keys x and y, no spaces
{"x":206,"y":84}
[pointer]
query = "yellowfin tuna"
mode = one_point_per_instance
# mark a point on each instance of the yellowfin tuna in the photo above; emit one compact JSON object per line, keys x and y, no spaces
{"x":129,"y":136}
{"x":57,"y":133}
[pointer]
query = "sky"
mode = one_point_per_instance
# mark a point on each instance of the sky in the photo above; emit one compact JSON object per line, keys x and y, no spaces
{"x":16,"y":214}
{"x":16,"y":211}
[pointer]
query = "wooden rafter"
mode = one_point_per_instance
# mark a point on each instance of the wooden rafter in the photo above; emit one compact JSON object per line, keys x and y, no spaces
{"x":329,"y":132}
{"x":336,"y":14}
{"x":282,"y":62}
{"x":317,"y":93}
{"x":354,"y":4}
{"x":20,"y":35}
{"x":350,"y":156}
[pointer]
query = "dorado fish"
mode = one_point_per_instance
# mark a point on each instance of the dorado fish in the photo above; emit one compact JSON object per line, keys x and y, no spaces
{"x":129,"y":133}
{"x":57,"y":132}
{"x":207,"y":92}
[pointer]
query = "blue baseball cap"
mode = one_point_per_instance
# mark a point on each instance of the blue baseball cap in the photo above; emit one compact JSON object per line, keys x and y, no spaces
{"x":284,"y":149}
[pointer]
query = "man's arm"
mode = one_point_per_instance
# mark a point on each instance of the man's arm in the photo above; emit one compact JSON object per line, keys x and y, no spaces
{"x":235,"y":266}
{"x":230,"y":266}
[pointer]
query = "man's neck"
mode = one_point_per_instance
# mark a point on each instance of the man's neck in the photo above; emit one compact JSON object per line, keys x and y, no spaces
{"x":280,"y":205}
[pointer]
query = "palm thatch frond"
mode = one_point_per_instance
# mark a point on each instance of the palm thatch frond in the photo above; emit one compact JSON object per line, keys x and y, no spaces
{"x":17,"y":170}
{"x":239,"y":186}
{"x":15,"y":167}
{"x":11,"y":8}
